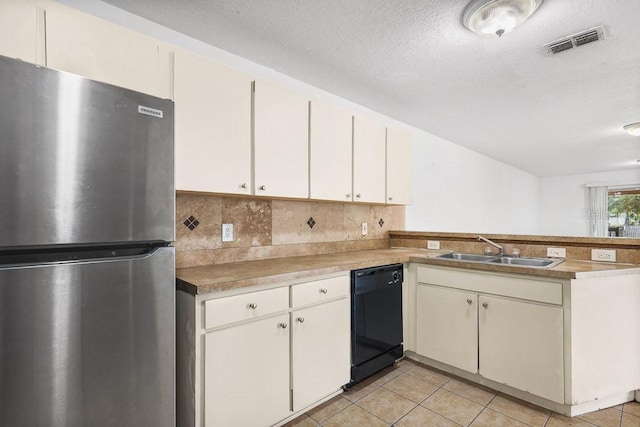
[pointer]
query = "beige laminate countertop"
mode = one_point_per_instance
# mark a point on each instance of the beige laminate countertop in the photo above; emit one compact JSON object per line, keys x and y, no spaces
{"x":237,"y":275}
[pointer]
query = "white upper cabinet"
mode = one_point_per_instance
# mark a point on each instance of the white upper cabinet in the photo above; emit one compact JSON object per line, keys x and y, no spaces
{"x":99,"y":50}
{"x":281,"y":142}
{"x":212,"y":127}
{"x":18,"y":29}
{"x":399,"y":159}
{"x":330,"y":146}
{"x":368,"y":160}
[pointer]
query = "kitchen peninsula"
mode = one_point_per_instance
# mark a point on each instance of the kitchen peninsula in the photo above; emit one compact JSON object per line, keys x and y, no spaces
{"x":546,"y":320}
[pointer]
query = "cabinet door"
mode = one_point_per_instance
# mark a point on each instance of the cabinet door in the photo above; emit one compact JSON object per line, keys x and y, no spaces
{"x":246,"y":374}
{"x":213,"y":126}
{"x":399,"y":159}
{"x":320,"y":351}
{"x":368,"y":160}
{"x":446,"y":326}
{"x":18,"y":23}
{"x":521,"y":345}
{"x":99,"y":50}
{"x":330,"y":146}
{"x":281,"y":126}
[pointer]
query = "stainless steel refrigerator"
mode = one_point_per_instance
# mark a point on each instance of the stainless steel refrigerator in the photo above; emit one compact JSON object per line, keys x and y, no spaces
{"x":87,"y":281}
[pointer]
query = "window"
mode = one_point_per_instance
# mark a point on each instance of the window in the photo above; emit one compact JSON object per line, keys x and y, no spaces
{"x":624,"y":212}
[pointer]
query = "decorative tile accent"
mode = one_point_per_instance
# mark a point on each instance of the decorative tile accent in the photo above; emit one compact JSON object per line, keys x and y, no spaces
{"x":311,"y":222}
{"x":204,"y":208}
{"x":191,"y":223}
{"x":265,"y":228}
{"x":289,"y":222}
{"x":329,"y":219}
{"x":251,"y":219}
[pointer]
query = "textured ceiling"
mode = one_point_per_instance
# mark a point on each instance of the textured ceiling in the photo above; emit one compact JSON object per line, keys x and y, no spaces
{"x":414,"y":61}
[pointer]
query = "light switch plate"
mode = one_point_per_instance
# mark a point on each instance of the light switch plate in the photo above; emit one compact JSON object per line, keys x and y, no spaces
{"x":227,"y":232}
{"x":608,"y":255}
{"x":433,"y":244}
{"x":557,"y":252}
{"x":365,"y":229}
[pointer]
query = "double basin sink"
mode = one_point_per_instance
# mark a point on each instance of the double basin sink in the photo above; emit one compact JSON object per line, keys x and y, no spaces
{"x":503,"y":260}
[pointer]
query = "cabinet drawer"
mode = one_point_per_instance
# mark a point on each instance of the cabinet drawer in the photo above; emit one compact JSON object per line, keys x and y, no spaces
{"x":320,"y":290}
{"x":222,"y":311}
{"x":528,"y":288}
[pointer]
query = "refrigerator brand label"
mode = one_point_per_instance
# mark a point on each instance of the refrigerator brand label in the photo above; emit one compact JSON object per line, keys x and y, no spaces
{"x":149,"y":111}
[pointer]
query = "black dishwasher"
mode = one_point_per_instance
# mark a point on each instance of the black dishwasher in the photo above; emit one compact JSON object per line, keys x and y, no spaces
{"x":376,"y":319}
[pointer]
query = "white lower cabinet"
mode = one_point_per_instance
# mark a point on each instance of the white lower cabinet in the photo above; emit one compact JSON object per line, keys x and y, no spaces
{"x":516,"y":342}
{"x":447,"y":326}
{"x":521,"y":345}
{"x":320,"y":351}
{"x":257,"y":358}
{"x":246,"y":375}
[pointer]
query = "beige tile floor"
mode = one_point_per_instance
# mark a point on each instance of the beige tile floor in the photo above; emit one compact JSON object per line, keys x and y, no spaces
{"x":410,"y":394}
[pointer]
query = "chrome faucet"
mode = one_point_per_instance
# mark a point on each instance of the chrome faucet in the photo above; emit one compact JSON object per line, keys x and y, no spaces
{"x":484,"y":239}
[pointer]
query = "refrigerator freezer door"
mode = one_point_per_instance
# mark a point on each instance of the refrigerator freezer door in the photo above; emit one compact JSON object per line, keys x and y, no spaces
{"x":88,"y":343}
{"x":82,"y":162}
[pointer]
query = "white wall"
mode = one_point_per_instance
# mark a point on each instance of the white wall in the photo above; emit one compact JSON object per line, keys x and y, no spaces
{"x":563,"y":200}
{"x":455,"y":189}
{"x":458,"y":190}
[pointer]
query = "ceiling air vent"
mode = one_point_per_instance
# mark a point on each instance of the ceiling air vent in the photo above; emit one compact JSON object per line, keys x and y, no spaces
{"x":575,"y":40}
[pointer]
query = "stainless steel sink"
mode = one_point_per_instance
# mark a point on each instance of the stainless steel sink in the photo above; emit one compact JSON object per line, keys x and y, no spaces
{"x":527,"y":262}
{"x":468,"y":257}
{"x":502,"y":259}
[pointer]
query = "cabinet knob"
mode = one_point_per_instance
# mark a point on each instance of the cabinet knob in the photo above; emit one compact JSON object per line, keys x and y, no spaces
{"x":323,"y":290}
{"x":262,"y":188}
{"x":358,"y":196}
{"x":469,"y":300}
{"x":253,"y":306}
{"x":283,"y":325}
{"x":391,"y":199}
{"x":348,"y":195}
{"x":300,"y":319}
{"x":244,"y":185}
{"x":485,"y":305}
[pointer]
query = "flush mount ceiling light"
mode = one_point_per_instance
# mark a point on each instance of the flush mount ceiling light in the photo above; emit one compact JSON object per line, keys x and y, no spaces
{"x":497,"y":17}
{"x":633,"y":129}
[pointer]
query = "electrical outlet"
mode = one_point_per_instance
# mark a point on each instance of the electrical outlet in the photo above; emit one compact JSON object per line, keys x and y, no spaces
{"x":557,"y":252}
{"x":608,"y":255}
{"x":365,"y":229}
{"x":433,"y":244}
{"x":227,"y":232}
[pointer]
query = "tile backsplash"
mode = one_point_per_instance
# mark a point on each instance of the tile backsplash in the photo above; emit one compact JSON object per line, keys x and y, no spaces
{"x":267,"y":228}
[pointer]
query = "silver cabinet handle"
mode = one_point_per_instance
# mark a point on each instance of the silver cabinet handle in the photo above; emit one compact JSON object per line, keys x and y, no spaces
{"x":485,"y":305}
{"x":244,"y":185}
{"x":391,"y":199}
{"x":469,"y":300}
{"x":283,"y":325}
{"x":358,"y":196}
{"x":300,"y":319}
{"x":323,"y":290}
{"x":262,"y":188}
{"x":348,"y":195}
{"x":253,"y":306}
